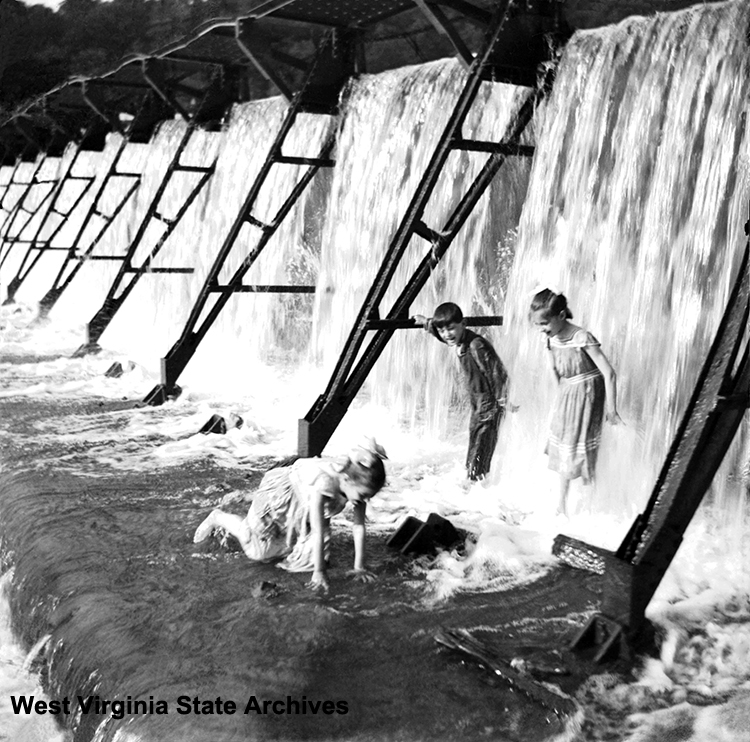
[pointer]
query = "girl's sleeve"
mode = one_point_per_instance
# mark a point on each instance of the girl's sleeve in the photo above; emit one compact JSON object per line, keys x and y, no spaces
{"x":312,"y":479}
{"x":584,"y":338}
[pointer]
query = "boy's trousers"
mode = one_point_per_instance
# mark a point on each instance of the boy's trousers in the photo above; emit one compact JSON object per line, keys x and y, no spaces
{"x":483,"y":428}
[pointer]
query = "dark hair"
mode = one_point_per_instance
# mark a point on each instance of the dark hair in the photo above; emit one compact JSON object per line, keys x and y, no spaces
{"x":447,"y":314}
{"x":367,"y":470}
{"x":550,"y":303}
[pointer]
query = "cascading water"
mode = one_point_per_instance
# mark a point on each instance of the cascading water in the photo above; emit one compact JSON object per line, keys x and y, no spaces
{"x":87,"y":164}
{"x":634,"y":207}
{"x":396,"y":118}
{"x":252,"y":328}
{"x":635,"y":210}
{"x":23,"y":209}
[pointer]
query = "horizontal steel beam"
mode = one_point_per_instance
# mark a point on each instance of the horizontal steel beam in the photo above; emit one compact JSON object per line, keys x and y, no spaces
{"x":407,"y":323}
{"x":262,"y":289}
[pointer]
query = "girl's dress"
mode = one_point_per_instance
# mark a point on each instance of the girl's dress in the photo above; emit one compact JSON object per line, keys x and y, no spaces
{"x":278,"y":521}
{"x":577,"y":416}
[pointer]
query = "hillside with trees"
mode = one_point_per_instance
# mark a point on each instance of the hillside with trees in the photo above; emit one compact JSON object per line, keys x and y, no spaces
{"x":40,"y":48}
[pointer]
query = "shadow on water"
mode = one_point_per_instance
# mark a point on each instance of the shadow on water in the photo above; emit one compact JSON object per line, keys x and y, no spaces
{"x":103,"y":564}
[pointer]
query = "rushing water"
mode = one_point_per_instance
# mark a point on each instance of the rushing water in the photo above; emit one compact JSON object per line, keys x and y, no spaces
{"x":633,"y":206}
{"x":635,"y":211}
{"x":397,"y":118}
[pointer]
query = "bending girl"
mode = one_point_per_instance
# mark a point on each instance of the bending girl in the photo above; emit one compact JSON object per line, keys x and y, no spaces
{"x":291,"y":512}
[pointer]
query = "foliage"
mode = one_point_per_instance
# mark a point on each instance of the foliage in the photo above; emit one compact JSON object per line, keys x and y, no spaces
{"x":40,"y":48}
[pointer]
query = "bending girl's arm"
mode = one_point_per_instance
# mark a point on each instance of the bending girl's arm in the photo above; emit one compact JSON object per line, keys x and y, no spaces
{"x":610,"y":381}
{"x":359,"y":533}
{"x":317,"y":524}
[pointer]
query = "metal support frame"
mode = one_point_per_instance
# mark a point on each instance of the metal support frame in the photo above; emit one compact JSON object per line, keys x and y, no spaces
{"x":215,"y":103}
{"x":129,"y":274}
{"x":440,"y":21}
{"x":316,"y":428}
{"x":37,"y":247}
{"x":20,"y":208}
{"x":629,"y":577}
{"x":255,"y":47}
{"x":66,"y":274}
{"x":11,"y":211}
{"x":318,"y":95}
{"x":19,"y":205}
{"x":710,"y":422}
{"x":6,"y":187}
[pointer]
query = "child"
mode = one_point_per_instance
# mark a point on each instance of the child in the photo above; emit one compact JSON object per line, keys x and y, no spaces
{"x":586,"y":384}
{"x":291,"y":511}
{"x":486,"y":380}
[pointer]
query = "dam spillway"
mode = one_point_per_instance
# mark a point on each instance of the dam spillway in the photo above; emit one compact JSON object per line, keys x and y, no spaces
{"x":579,"y":184}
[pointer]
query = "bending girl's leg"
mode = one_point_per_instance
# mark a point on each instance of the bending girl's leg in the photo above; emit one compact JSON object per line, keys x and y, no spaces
{"x":232,"y":524}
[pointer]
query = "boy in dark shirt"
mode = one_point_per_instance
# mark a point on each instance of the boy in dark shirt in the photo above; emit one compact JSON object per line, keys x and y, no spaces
{"x":486,"y":380}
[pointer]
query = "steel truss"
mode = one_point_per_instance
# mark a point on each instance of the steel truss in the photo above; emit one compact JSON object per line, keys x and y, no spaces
{"x":74,"y":260}
{"x":316,"y":428}
{"x":129,"y":274}
{"x":159,"y":104}
{"x":319,"y":95}
{"x":712,"y":418}
{"x":6,"y":189}
{"x":37,"y":247}
{"x":19,"y":207}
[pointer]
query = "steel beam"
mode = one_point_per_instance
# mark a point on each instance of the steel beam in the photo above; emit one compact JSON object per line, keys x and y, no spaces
{"x":129,"y":275}
{"x":18,"y":208}
{"x":74,"y":260}
{"x":440,"y":21}
{"x":333,"y":65}
{"x":711,"y":420}
{"x":37,"y":247}
{"x":215,"y":104}
{"x":316,"y":428}
{"x":6,"y":187}
{"x":10,"y":217}
{"x":253,"y":44}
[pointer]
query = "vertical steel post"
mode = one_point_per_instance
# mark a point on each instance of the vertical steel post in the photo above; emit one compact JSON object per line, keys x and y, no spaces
{"x":316,"y":428}
{"x":128,"y":275}
{"x":37,"y":247}
{"x":65,"y":276}
{"x":20,"y":207}
{"x":319,"y":94}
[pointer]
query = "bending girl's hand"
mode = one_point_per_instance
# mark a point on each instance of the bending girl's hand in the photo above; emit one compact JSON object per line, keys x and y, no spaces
{"x":318,"y":581}
{"x":613,"y":418}
{"x":361,"y":575}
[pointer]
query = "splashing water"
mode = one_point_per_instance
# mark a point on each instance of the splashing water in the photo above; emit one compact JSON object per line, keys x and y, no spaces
{"x":252,"y":328}
{"x":397,"y":118}
{"x":634,"y":207}
{"x":635,"y":210}
{"x":17,"y":679}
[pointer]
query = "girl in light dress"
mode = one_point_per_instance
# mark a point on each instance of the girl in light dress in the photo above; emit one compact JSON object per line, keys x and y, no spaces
{"x":290,"y":513}
{"x":586,"y":392}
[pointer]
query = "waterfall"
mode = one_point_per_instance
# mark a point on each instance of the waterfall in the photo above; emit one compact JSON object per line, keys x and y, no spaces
{"x":633,"y":205}
{"x":635,"y":209}
{"x":253,"y":327}
{"x":391,"y":125}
